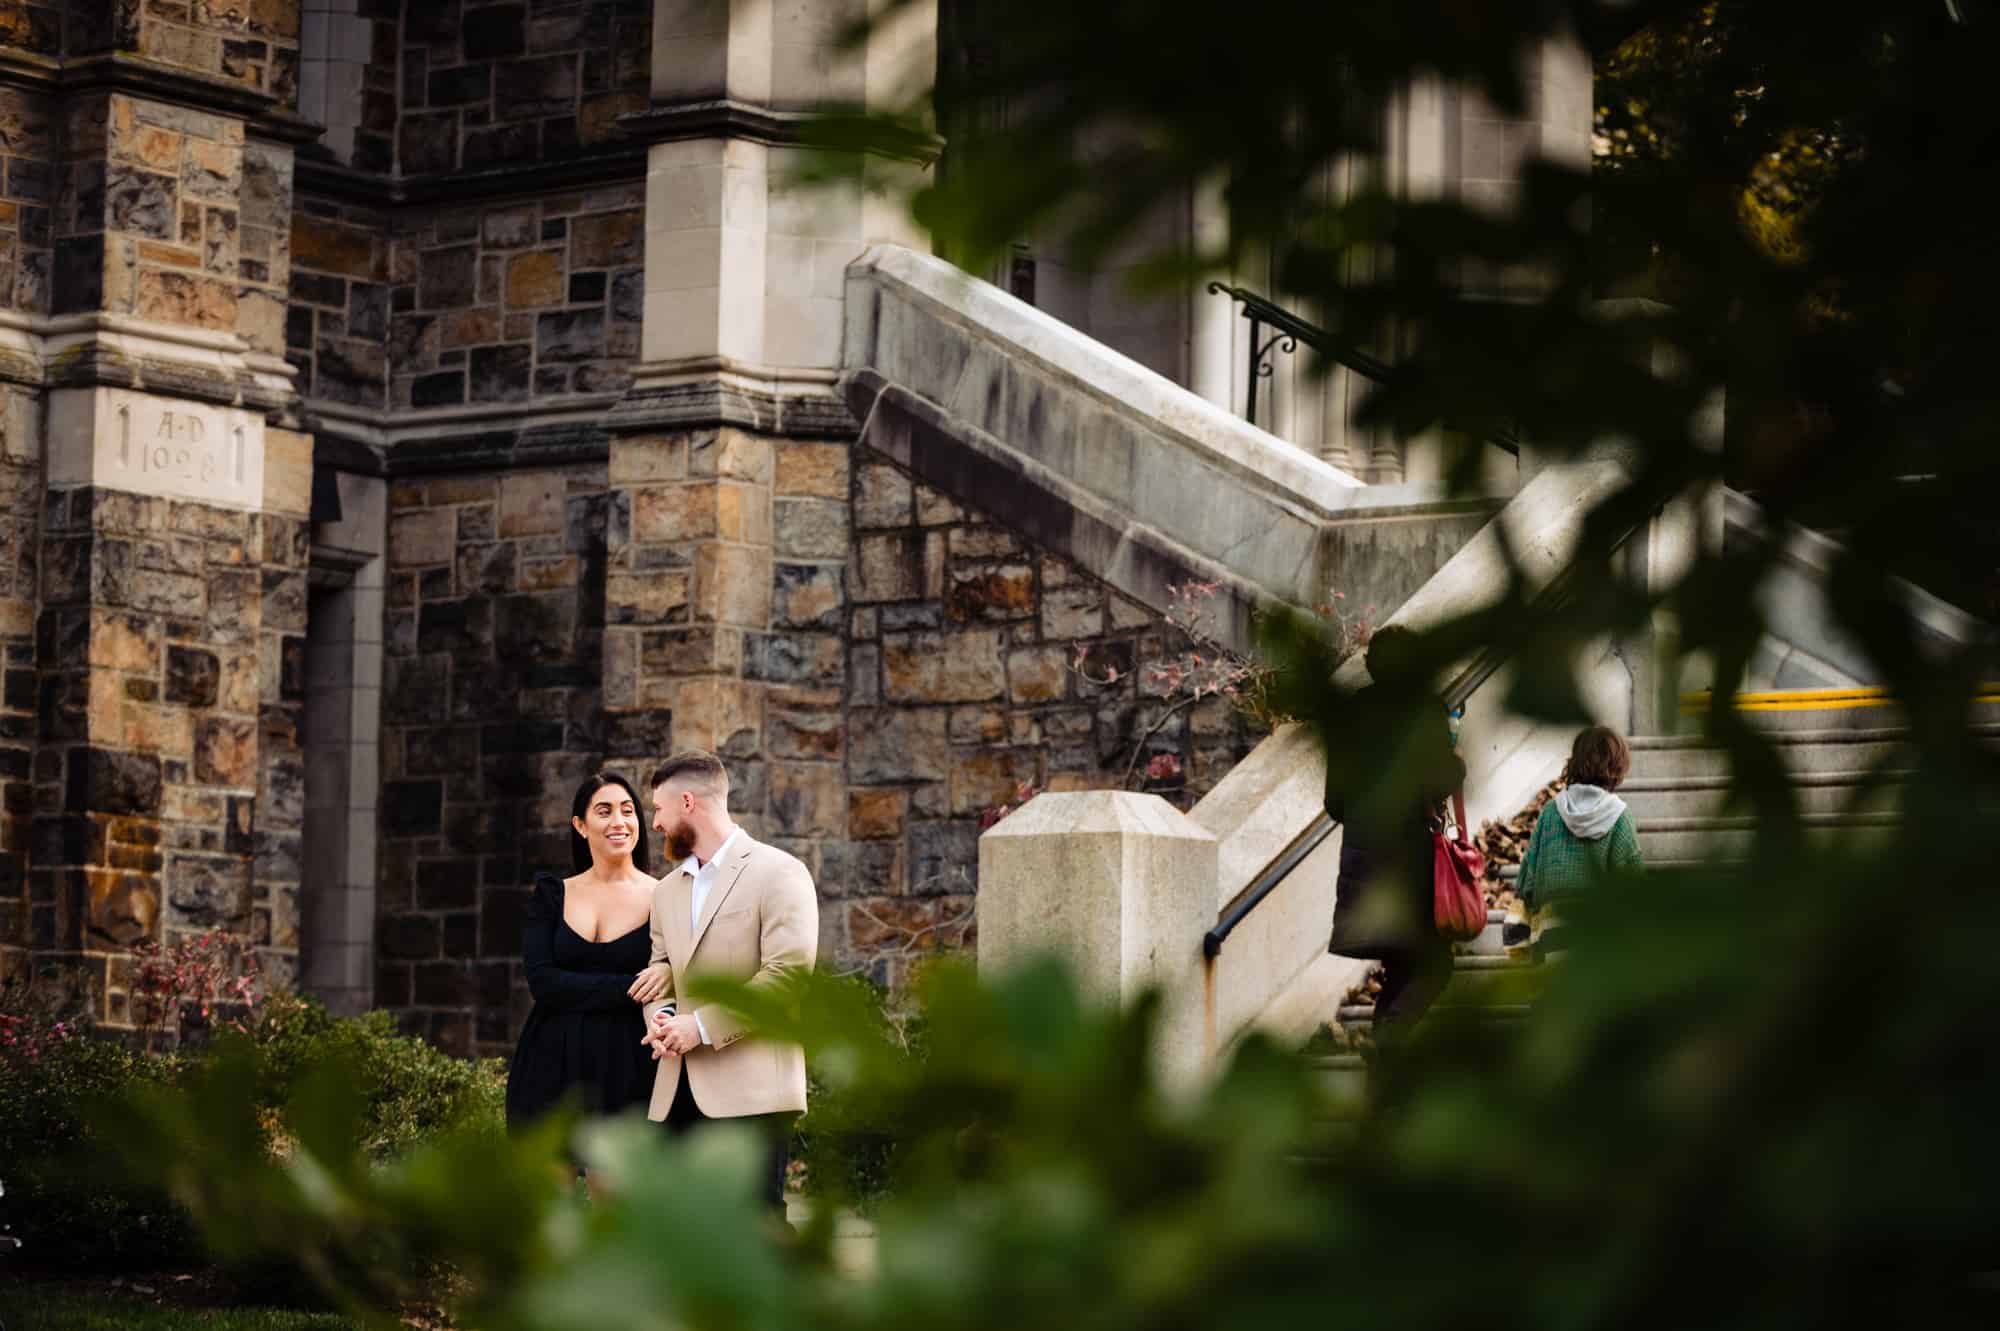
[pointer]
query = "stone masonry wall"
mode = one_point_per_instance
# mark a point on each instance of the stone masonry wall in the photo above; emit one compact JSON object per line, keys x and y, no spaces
{"x":168,"y":783}
{"x":27,"y":155}
{"x":20,"y":523}
{"x":486,"y":85}
{"x":504,"y":303}
{"x":878,"y":664}
{"x":491,"y":717}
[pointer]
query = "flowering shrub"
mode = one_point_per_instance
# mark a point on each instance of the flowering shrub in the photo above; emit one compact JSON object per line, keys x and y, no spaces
{"x":187,"y":981}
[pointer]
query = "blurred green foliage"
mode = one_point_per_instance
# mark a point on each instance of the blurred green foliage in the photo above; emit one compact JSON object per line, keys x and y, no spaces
{"x":1756,"y":1095}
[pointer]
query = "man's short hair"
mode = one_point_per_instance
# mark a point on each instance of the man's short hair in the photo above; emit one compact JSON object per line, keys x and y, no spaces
{"x":1600,"y":757}
{"x":695,"y":769}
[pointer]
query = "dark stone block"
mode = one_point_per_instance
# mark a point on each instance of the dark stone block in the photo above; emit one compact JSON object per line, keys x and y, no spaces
{"x":20,"y":690}
{"x":559,"y":135}
{"x":351,"y":372}
{"x":631,"y":734}
{"x":551,"y":382}
{"x":446,"y":389}
{"x":459,"y":626}
{"x":141,"y":202}
{"x":105,"y":781}
{"x":494,"y":32}
{"x":79,"y":274}
{"x":412,"y":808}
{"x":555,"y":228}
{"x":570,"y":335}
{"x":794,"y":658}
{"x":543,"y":86}
{"x":808,"y":596}
{"x":512,"y":775}
{"x":367,"y":310}
{"x":459,"y":85}
{"x":434,"y":584}
{"x":918,"y":615}
{"x":239,"y":832}
{"x":427,"y":143}
{"x":194,"y":676}
{"x":29,"y":179}
{"x":408,"y":938}
{"x":461,"y":937}
{"x":416,"y":76}
{"x":280,"y":858}
{"x":416,"y":688}
{"x":501,"y":374}
{"x":374,"y":152}
{"x":440,"y":749}
{"x":319,"y":289}
{"x":209,"y":891}
{"x":448,"y":278}
{"x":586,"y":288}
{"x":502,"y":145}
{"x":284,"y":600}
{"x":628,"y":295}
{"x":536,"y":627}
{"x":501,"y":913}
{"x":522,"y":737}
{"x":299,"y":326}
{"x":944,"y":857}
{"x":444,"y":984}
{"x":447,"y":884}
{"x":602,"y":379}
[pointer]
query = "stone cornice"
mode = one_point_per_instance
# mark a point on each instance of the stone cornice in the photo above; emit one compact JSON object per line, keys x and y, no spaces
{"x":487,"y":437}
{"x":727,"y":118}
{"x":121,"y":71}
{"x":330,"y":179}
{"x":119,"y":351}
{"x":716,"y":390}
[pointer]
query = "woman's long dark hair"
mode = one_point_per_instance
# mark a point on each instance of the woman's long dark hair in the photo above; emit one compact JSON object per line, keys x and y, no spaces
{"x":579,"y":849}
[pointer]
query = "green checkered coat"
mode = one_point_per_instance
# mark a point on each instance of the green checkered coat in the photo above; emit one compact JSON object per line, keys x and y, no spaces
{"x":1559,"y":864}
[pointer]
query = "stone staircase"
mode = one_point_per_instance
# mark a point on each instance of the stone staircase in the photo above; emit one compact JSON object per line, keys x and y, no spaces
{"x":1845,"y":753}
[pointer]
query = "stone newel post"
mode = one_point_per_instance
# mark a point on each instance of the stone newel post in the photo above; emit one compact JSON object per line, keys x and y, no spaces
{"x":1119,"y":885}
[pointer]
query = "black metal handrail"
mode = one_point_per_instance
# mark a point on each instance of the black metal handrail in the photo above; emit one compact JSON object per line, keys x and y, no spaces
{"x":1292,"y":330}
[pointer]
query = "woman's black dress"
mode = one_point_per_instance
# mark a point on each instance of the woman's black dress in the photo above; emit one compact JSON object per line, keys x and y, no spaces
{"x":583,"y":1035}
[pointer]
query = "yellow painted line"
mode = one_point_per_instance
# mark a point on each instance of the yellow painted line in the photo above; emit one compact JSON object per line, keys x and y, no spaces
{"x":1811,"y":700}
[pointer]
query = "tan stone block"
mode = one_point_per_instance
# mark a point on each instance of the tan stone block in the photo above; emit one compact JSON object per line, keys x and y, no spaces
{"x":225,"y":752}
{"x":462,"y":490}
{"x":1037,"y":674}
{"x":532,"y":503}
{"x":812,"y":469}
{"x":546,"y":575}
{"x":807,"y":799}
{"x":983,"y":543}
{"x":730,"y":453}
{"x":813,"y":736}
{"x":329,"y":247}
{"x":669,"y":513}
{"x":720,"y":715}
{"x":238,"y":692}
{"x":518,"y":327}
{"x":986,"y":777}
{"x":876,"y":814}
{"x":934,"y":510}
{"x":157,"y":148}
{"x":1006,"y":592}
{"x":288,"y":471}
{"x":978,"y":725}
{"x":1130,"y":614}
{"x":124,"y":642}
{"x":891,"y":922}
{"x":180,"y":298}
{"x":646,"y":598}
{"x":881,"y":497}
{"x":422,"y":538}
{"x":648,"y":458}
{"x":944,"y":667}
{"x":899,"y":566}
{"x":743,"y":513}
{"x":17,"y":617}
{"x":732,"y":585}
{"x":535,"y":279}
{"x":608,"y":240}
{"x":466,"y":328}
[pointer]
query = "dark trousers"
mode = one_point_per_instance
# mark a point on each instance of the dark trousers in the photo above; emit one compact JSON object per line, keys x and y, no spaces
{"x":1412,"y":979}
{"x":684,"y":1115}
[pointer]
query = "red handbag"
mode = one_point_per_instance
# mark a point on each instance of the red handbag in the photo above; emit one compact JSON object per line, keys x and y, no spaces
{"x":1458,"y":906}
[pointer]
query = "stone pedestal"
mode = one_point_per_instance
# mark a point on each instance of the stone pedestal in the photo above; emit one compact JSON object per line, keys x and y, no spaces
{"x":1121,"y":886}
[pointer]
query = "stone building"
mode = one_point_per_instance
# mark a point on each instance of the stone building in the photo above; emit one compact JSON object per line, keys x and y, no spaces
{"x":410,"y":408}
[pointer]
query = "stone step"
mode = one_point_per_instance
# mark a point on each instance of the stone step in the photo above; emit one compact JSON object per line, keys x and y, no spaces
{"x":1788,"y":711}
{"x":1672,"y":840}
{"x":1806,"y":752}
{"x":1344,"y":1079}
{"x":1655,"y":798}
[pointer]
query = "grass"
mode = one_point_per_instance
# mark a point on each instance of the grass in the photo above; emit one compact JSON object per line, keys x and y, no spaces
{"x":28,"y":1308}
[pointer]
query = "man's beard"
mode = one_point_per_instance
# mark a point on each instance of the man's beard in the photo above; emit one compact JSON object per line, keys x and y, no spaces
{"x":680,"y":840}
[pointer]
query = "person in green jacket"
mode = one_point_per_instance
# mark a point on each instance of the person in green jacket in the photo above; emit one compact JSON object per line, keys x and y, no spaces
{"x":1584,"y":835}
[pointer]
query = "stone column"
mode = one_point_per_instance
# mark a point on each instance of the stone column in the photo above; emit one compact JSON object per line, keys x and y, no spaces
{"x":725,"y":603}
{"x":168,"y":582}
{"x":1119,"y":885}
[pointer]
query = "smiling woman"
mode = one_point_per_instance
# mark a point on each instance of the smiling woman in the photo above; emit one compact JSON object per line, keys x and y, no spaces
{"x":585,"y":946}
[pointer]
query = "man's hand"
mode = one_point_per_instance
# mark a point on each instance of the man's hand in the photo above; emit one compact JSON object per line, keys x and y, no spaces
{"x":674,"y":1035}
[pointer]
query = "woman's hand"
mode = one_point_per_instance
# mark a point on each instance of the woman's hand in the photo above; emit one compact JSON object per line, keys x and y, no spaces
{"x":649,"y":985}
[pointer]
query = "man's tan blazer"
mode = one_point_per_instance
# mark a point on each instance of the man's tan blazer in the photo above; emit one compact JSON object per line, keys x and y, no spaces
{"x":760,"y":922}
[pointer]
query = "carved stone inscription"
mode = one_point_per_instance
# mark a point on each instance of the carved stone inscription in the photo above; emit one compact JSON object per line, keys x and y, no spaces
{"x":156,"y":445}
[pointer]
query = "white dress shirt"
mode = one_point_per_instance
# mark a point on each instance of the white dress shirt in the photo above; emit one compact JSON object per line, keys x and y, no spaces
{"x":705,"y":876}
